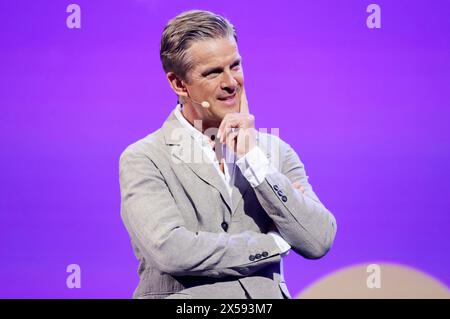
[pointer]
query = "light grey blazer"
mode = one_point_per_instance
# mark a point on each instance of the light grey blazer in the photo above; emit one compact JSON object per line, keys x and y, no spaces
{"x":193,"y":240}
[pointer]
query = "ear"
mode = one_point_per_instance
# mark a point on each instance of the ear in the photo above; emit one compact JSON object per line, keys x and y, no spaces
{"x":177,"y":84}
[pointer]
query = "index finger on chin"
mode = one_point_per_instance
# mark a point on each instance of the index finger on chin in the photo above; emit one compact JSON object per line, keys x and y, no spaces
{"x":244,"y":102}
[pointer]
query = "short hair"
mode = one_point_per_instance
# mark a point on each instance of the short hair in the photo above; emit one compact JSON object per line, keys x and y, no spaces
{"x":187,"y":27}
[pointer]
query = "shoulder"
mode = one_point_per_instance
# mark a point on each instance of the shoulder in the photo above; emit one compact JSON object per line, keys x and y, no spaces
{"x":146,"y":147}
{"x":274,"y":147}
{"x":272,"y":143}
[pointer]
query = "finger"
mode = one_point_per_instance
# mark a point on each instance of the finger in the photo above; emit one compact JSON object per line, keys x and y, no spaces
{"x":297,"y":185}
{"x":230,"y":127}
{"x":220,"y":131}
{"x":227,"y":123}
{"x":231,"y":138}
{"x":244,"y":102}
{"x":223,"y":124}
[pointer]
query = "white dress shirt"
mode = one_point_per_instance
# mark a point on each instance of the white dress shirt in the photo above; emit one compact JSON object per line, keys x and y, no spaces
{"x":254,"y":166}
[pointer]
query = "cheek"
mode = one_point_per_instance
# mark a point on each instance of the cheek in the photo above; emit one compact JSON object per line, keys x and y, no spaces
{"x":240,"y":77}
{"x":206,"y":88}
{"x":213,"y":87}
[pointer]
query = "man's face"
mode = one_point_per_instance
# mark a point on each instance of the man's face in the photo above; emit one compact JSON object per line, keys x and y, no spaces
{"x":216,"y":77}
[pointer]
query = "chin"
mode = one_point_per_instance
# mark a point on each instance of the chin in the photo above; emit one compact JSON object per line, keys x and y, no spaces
{"x":226,"y":107}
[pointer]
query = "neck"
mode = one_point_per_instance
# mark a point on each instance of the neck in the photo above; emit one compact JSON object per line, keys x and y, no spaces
{"x":198,"y":122}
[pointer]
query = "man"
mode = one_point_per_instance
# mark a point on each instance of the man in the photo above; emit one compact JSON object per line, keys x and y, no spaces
{"x":212,"y":205}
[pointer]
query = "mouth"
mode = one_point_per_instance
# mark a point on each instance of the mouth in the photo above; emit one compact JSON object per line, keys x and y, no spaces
{"x":230,"y":99}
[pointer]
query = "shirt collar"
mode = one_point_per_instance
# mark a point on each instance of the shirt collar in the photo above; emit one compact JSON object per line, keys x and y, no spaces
{"x":196,"y":134}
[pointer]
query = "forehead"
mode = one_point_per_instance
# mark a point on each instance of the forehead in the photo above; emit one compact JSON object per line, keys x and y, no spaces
{"x":213,"y":52}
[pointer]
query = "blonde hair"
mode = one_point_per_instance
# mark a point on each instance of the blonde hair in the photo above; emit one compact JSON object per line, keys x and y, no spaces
{"x":187,"y":27}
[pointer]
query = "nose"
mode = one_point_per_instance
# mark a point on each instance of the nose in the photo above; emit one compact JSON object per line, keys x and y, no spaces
{"x":229,"y":82}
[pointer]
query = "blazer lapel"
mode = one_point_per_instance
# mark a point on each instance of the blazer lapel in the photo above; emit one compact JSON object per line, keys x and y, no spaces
{"x":241,"y":185}
{"x":185,"y":150}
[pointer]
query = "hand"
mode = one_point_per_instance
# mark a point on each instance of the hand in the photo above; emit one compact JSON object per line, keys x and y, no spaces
{"x":299,"y":187}
{"x":237,"y":130}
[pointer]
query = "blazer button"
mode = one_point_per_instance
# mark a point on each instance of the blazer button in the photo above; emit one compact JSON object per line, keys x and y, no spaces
{"x":258,"y":256}
{"x":280,"y":193}
{"x":224,"y":226}
{"x":265,"y":254}
{"x":275,"y":187}
{"x":251,"y":257}
{"x":284,"y":199}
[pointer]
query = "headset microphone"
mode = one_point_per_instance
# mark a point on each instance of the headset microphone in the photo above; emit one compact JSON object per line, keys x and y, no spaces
{"x":204,"y":104}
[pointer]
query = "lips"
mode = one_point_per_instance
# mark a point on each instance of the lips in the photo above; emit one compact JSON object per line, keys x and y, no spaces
{"x":227,"y":98}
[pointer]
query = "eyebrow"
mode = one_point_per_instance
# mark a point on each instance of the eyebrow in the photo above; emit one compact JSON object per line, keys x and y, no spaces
{"x":219,"y":69}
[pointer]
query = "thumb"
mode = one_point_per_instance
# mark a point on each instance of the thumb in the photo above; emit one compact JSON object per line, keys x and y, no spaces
{"x":244,"y":102}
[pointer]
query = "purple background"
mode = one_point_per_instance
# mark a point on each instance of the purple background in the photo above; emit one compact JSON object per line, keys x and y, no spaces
{"x":366,"y":110}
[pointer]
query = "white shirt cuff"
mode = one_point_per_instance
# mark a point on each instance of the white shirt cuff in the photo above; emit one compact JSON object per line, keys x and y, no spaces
{"x":254,"y":166}
{"x":282,"y":244}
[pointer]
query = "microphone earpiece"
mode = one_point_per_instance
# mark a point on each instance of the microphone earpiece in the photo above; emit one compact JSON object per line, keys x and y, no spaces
{"x":204,"y":104}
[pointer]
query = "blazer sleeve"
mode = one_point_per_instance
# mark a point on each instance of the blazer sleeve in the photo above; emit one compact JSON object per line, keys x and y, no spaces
{"x":156,"y":226}
{"x":301,"y":219}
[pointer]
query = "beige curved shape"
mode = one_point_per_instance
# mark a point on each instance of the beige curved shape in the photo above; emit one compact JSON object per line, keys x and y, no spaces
{"x":384,"y":280}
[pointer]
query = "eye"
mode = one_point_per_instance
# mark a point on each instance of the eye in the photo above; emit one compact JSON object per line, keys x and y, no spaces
{"x":236,"y":66}
{"x":212,"y":74}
